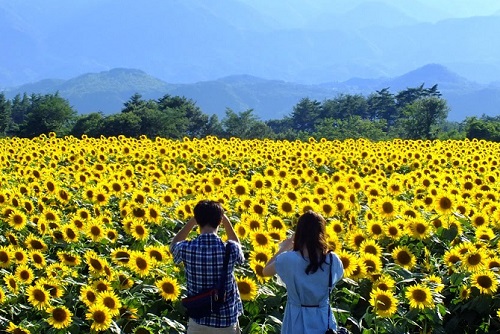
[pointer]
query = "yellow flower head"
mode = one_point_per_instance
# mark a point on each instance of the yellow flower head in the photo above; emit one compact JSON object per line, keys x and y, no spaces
{"x":384,"y":303}
{"x":169,"y":288}
{"x":60,"y":317}
{"x":419,"y":296}
{"x":247,"y":288}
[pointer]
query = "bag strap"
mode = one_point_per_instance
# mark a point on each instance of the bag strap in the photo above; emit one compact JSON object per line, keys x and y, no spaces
{"x":223,"y":278}
{"x":330,"y":285}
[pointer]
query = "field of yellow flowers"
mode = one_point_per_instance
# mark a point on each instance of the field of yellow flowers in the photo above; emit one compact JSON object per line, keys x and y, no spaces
{"x":85,"y":225}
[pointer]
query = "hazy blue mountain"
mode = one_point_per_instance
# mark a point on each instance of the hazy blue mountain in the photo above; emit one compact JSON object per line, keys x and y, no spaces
{"x":270,"y":99}
{"x":195,"y":40}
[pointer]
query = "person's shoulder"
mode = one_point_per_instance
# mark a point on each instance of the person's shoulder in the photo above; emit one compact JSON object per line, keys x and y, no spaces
{"x":288,"y":256}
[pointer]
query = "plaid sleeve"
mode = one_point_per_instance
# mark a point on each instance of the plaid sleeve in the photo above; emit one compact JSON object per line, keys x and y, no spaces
{"x":179,"y":251}
{"x":237,"y":252}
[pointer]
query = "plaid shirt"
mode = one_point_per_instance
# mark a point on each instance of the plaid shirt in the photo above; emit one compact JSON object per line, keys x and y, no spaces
{"x":203,"y":259}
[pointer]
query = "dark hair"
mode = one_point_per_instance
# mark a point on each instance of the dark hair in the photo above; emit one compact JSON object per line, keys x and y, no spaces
{"x":310,"y":233}
{"x":207,"y":212}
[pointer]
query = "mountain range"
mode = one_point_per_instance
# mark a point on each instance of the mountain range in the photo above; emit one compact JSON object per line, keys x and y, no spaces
{"x":303,"y":41}
{"x":106,"y":91}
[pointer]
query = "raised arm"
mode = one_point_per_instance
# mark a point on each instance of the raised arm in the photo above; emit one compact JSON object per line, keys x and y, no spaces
{"x":184,"y":232}
{"x":285,"y":245}
{"x":231,"y":235}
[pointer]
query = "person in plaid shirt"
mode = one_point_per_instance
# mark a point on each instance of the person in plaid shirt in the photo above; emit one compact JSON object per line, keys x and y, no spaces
{"x":203,"y":259}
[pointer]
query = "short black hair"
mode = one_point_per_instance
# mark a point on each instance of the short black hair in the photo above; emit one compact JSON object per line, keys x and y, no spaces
{"x":207,"y":212}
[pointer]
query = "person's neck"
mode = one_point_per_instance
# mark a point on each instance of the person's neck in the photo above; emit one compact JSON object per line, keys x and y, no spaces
{"x":208,"y":230}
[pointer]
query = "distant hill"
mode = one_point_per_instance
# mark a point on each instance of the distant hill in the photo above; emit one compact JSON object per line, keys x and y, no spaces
{"x":196,"y":40}
{"x":107,"y":91}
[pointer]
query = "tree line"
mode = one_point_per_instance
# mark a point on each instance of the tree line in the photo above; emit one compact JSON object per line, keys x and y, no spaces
{"x":413,"y":113}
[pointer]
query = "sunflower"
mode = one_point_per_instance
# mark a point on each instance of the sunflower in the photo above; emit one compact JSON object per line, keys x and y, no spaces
{"x":139,"y":230}
{"x":463,"y":292}
{"x":355,"y":238}
{"x":261,"y":254}
{"x":479,"y":219}
{"x":384,"y":303}
{"x":17,"y":220}
{"x":419,"y":296}
{"x":111,"y":301}
{"x":370,"y":246}
{"x":247,"y":288}
{"x":95,"y":262}
{"x":12,"y":283}
{"x":386,"y":207}
{"x":333,"y":242}
{"x":444,"y":203}
{"x":169,"y":288}
{"x":69,"y":258}
{"x":257,"y":268}
{"x":2,"y":295}
{"x":485,"y":281}
{"x":372,"y":263}
{"x":124,"y":281}
{"x":34,"y":243}
{"x":38,"y":297}
{"x":17,"y":329}
{"x":100,"y":316}
{"x":286,"y":208}
{"x":95,"y":230}
{"x":120,"y":256}
{"x":59,"y":317}
{"x":474,"y":260}
{"x":435,"y":283}
{"x":25,"y":274}
{"x":260,"y":238}
{"x":404,"y":257}
{"x":349,"y":262}
{"x":88,"y":295}
{"x":55,"y":287}
{"x":335,"y":226}
{"x":37,"y":258}
{"x":6,"y":256}
{"x":375,"y":229}
{"x":153,"y":213}
{"x":241,"y":188}
{"x":385,"y":283}
{"x":419,"y":228}
{"x":139,"y":263}
{"x":156,"y":253}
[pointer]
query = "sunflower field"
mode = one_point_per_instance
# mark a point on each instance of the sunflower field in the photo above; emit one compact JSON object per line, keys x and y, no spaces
{"x":86,"y":223}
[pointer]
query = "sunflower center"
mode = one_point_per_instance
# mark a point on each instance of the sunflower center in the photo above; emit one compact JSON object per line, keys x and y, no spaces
{"x":286,"y":207}
{"x":420,"y":228}
{"x":485,"y":282}
{"x":4,"y":257}
{"x":384,"y":303}
{"x":383,"y":286}
{"x":156,"y":255}
{"x":168,"y":288}
{"x":261,"y":239}
{"x":474,"y":259}
{"x":141,"y":263}
{"x":376,"y":229}
{"x":371,"y":249}
{"x":35,"y":244}
{"x":244,"y":288}
{"x":99,"y":317}
{"x":419,"y":295}
{"x":261,"y":257}
{"x":403,"y":257}
{"x":109,"y":302}
{"x":240,"y":190}
{"x":95,"y":230}
{"x":387,"y":207}
{"x":393,"y":231}
{"x":96,"y":264}
{"x":445,"y":203}
{"x":39,"y":296}
{"x":59,"y":314}
{"x":139,"y":230}
{"x":25,"y":275}
{"x":91,"y":297}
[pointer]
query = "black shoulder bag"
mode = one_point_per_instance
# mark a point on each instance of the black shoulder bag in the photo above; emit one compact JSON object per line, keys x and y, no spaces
{"x":340,"y":330}
{"x":209,"y":301}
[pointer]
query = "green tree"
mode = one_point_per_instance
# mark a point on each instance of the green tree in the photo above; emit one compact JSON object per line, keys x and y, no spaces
{"x":305,"y":114}
{"x":245,"y":125}
{"x":382,"y":105}
{"x":487,"y":129}
{"x":424,"y":117}
{"x":19,"y":111}
{"x":351,"y":127}
{"x":90,"y":125}
{"x":194,"y":122}
{"x":5,"y":115}
{"x":344,"y":106}
{"x":127,"y":124}
{"x":47,"y":113}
